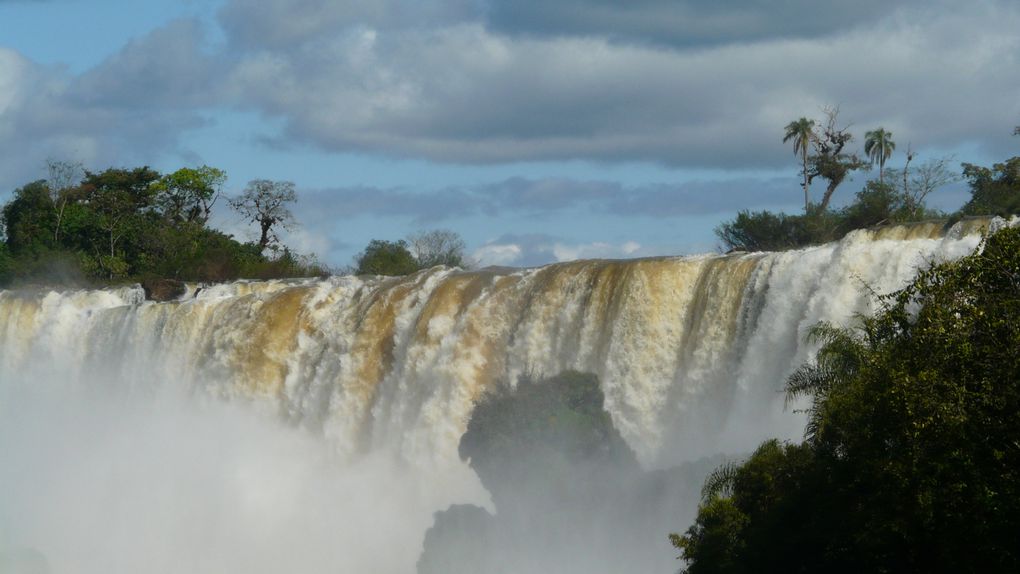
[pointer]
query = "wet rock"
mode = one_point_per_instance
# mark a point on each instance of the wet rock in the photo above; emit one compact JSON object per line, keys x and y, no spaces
{"x":163,"y":289}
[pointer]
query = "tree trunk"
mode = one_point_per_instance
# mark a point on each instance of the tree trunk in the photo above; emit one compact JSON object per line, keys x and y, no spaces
{"x":807,"y":200}
{"x":60,"y":215}
{"x":264,"y":240}
{"x":831,"y":189}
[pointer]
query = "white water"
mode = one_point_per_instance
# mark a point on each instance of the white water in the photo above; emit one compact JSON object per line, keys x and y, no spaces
{"x":313,"y":425}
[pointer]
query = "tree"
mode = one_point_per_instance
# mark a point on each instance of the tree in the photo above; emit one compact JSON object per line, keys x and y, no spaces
{"x":119,"y":197}
{"x":188,"y":194}
{"x":265,"y":203}
{"x":995,"y":190}
{"x":437,"y":247}
{"x":128,"y":223}
{"x":917,"y":183}
{"x":878,"y":146}
{"x":28,"y":219}
{"x":911,"y":457}
{"x":829,"y":161}
{"x":876,"y":204}
{"x":382,"y":257}
{"x":759,"y":231}
{"x":768,"y":231}
{"x":802,"y":132}
{"x":62,"y":177}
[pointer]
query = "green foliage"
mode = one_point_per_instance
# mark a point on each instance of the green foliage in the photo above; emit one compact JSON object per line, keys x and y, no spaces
{"x":911,"y":461}
{"x":119,"y":193}
{"x":802,"y":132}
{"x":878,"y":146}
{"x":188,"y":194}
{"x":995,"y":190}
{"x":829,"y":160}
{"x":875,"y":204}
{"x":568,"y":491}
{"x":716,"y":540}
{"x":7,"y":265}
{"x":29,"y":220}
{"x":768,"y":231}
{"x":516,"y":434}
{"x":437,"y":247}
{"x":878,"y":203}
{"x":124,"y":224}
{"x":383,"y":257}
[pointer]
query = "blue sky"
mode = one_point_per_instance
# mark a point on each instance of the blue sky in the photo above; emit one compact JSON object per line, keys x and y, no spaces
{"x":540,"y":131}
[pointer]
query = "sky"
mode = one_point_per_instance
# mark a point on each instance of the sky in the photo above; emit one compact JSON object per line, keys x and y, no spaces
{"x":540,"y":131}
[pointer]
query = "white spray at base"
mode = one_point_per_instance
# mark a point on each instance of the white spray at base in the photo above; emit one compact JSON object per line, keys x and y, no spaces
{"x":141,"y":436}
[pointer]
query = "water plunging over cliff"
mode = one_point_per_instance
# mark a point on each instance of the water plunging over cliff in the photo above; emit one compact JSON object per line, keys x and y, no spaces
{"x":691,"y":352}
{"x":687,"y":349}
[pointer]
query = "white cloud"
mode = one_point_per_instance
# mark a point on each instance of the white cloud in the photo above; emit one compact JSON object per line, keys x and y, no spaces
{"x":129,"y":109}
{"x":12,"y":70}
{"x":539,"y":249}
{"x":498,"y":254}
{"x":594,"y":250}
{"x":460,"y":92}
{"x":305,"y":241}
{"x":441,"y":80}
{"x":630,"y":247}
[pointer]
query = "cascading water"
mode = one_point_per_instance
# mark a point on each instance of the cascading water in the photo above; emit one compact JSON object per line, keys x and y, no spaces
{"x":374,"y":380}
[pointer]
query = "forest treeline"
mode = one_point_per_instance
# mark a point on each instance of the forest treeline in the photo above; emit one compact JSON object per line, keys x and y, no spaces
{"x":83,"y":228}
{"x":79,"y":227}
{"x":911,"y":457}
{"x":897,"y":195}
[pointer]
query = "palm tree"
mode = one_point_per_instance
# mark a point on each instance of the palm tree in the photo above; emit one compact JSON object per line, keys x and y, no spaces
{"x":801,"y":131}
{"x":878,"y":145}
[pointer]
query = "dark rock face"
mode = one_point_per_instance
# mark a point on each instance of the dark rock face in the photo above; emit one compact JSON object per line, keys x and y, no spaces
{"x":162,"y":290}
{"x":462,"y":538}
{"x":569,"y":493}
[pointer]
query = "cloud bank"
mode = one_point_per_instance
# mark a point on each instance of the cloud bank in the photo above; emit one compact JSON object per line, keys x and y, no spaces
{"x":687,"y":84}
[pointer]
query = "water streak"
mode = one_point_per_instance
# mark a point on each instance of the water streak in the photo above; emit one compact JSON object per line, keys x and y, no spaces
{"x":691,"y":352}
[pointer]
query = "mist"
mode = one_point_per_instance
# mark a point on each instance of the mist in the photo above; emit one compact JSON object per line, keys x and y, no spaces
{"x":314,"y":425}
{"x":101,"y":481}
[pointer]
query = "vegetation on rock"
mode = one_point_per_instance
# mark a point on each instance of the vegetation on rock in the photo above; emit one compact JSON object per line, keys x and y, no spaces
{"x":118,"y":225}
{"x":897,"y":196}
{"x":568,"y":491}
{"x":421,"y":250}
{"x":911,"y":461}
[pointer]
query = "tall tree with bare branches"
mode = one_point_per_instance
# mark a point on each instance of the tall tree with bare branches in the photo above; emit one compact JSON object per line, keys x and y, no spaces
{"x":265,"y":203}
{"x":829,"y":160}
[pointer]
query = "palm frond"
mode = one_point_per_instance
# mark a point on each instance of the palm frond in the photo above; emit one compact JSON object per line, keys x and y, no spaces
{"x":720,"y":482}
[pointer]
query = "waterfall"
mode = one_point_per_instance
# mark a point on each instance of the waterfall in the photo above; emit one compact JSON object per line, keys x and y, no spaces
{"x":691,"y":351}
{"x":312,"y":425}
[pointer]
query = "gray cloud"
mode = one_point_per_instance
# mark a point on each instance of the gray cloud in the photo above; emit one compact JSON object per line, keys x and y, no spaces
{"x":461,"y":92}
{"x":129,"y":109}
{"x":686,"y":22}
{"x":539,"y":196}
{"x":282,"y":24}
{"x":166,"y":69}
{"x":467,"y":82}
{"x":545,"y":197}
{"x":320,"y":207}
